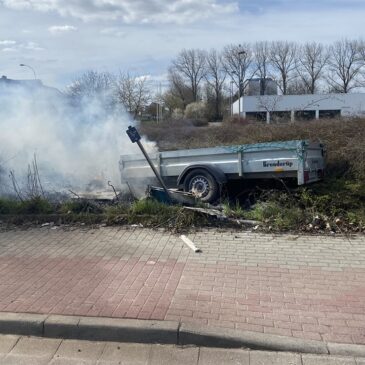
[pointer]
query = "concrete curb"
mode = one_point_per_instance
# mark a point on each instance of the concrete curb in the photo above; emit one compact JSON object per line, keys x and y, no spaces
{"x":222,"y":337}
{"x":162,"y":332}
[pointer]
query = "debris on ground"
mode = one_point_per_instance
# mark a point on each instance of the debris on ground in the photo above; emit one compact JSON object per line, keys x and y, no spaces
{"x":223,"y":217}
{"x":190,"y":244}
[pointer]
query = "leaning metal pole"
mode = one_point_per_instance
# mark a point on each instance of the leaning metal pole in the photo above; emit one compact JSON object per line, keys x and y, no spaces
{"x":136,"y":138}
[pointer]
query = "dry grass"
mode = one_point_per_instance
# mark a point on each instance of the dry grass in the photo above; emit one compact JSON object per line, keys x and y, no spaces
{"x":344,"y":139}
{"x":337,"y":204}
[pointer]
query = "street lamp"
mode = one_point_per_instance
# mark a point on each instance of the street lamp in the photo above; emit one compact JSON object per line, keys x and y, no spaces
{"x":240,"y":53}
{"x":23,"y":65}
{"x":231,"y":97}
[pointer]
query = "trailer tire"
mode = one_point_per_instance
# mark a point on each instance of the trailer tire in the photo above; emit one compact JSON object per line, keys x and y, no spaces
{"x":202,"y":184}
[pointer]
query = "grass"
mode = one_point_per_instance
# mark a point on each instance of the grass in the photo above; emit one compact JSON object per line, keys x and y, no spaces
{"x":35,"y":205}
{"x":332,"y":205}
{"x":154,"y":213}
{"x":337,"y":203}
{"x":344,"y":139}
{"x":79,"y":206}
{"x":148,"y":212}
{"x":340,"y":208}
{"x":339,"y":198}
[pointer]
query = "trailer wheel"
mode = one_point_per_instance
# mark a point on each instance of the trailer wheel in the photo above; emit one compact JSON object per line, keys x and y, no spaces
{"x":202,"y":184}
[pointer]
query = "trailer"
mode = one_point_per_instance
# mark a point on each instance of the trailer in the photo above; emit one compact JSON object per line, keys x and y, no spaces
{"x":203,"y":171}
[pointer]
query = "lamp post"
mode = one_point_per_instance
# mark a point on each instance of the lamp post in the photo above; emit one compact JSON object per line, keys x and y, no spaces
{"x":240,"y":53}
{"x":231,"y":97}
{"x":24,"y":65}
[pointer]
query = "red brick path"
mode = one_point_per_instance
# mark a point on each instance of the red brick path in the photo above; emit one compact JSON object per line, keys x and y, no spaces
{"x":280,"y":285}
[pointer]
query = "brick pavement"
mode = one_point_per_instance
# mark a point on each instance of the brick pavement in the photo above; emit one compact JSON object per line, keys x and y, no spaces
{"x":303,"y":286}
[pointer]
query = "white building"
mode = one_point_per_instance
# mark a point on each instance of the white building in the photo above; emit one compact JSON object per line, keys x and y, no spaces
{"x":298,"y":107}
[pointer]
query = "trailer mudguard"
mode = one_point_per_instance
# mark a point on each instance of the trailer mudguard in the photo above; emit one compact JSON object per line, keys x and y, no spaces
{"x":214,"y":170}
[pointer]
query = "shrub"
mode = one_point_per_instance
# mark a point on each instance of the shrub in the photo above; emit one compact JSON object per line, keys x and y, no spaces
{"x":35,"y":205}
{"x":200,"y":123}
{"x":177,"y":114}
{"x":235,"y":119}
{"x":151,"y":207}
{"x":195,"y":111}
{"x":78,"y":206}
{"x":8,"y":206}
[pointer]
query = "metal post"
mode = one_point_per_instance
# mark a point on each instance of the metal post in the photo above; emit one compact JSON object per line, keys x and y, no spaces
{"x":231,"y":97}
{"x":153,"y":167}
{"x":136,"y":138}
{"x":239,"y":92}
{"x":239,"y":80}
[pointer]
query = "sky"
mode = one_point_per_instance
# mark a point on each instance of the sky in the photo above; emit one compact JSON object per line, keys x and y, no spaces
{"x":61,"y":39}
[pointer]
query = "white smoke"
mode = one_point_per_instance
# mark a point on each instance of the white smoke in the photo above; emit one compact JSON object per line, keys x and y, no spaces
{"x":75,"y":145}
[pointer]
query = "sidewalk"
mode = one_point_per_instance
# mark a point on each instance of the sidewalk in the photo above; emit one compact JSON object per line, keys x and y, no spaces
{"x":42,"y":351}
{"x":306,"y":287}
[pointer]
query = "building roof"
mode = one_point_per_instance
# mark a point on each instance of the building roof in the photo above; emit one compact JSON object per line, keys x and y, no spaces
{"x":26,"y":85}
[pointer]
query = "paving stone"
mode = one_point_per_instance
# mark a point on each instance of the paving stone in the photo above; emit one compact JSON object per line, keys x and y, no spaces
{"x":211,"y":356}
{"x":7,"y":342}
{"x":68,"y":361}
{"x":170,"y":355}
{"x":86,"y":350}
{"x":24,"y":360}
{"x":126,"y":353}
{"x":277,"y":280}
{"x":274,"y":358}
{"x":327,"y":360}
{"x":34,"y":346}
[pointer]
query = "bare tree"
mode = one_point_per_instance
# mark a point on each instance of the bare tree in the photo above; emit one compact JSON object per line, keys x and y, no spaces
{"x":283,"y":58}
{"x":297,"y":87}
{"x":215,"y":76}
{"x":179,"y":94}
{"x":190,"y":66}
{"x":238,"y":65}
{"x":132,"y":92}
{"x":311,"y":61}
{"x":345,"y":64}
{"x":263,"y":63}
{"x":361,"y":48}
{"x":91,"y":84}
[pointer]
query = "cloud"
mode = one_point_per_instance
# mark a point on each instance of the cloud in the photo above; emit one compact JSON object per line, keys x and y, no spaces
{"x":130,"y":11}
{"x":31,"y":46}
{"x":13,"y":46}
{"x":9,"y":49}
{"x":60,"y":29}
{"x":114,"y":32}
{"x":7,"y":42}
{"x":264,"y":6}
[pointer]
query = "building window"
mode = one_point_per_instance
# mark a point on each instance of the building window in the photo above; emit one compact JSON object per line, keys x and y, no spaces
{"x":257,"y":116}
{"x":329,"y":114}
{"x":305,"y":114}
{"x":280,"y":117}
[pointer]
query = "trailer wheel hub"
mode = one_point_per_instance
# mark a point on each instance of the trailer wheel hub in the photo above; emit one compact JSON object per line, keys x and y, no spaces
{"x":199,"y":186}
